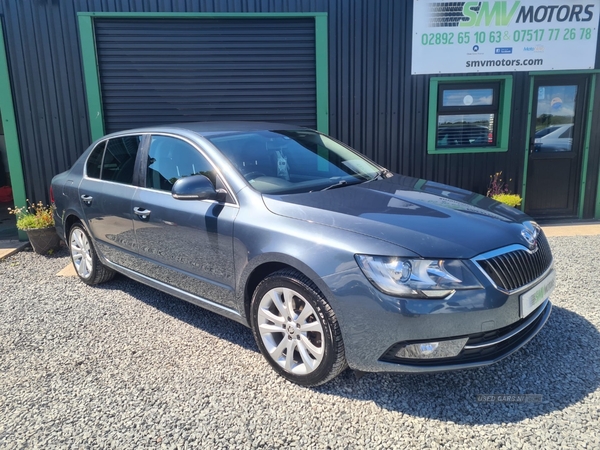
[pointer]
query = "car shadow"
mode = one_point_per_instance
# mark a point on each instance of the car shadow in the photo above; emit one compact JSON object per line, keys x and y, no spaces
{"x":560,"y":366}
{"x":186,"y":312}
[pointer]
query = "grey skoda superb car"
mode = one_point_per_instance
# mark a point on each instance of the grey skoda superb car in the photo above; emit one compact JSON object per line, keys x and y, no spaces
{"x":330,"y":259}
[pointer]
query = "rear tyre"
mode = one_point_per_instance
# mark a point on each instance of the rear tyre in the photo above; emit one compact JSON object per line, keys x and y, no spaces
{"x":296,"y":329}
{"x":85,"y":260}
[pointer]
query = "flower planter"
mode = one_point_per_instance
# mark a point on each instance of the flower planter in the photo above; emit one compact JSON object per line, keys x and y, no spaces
{"x":43,"y":240}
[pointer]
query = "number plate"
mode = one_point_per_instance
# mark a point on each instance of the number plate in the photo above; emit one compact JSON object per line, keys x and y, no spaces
{"x":533,"y":298}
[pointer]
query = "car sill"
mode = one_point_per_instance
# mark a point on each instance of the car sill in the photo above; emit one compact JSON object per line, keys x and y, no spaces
{"x":199,"y":301}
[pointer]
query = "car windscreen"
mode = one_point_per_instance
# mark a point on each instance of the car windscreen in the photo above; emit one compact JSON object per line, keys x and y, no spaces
{"x":293,"y":161}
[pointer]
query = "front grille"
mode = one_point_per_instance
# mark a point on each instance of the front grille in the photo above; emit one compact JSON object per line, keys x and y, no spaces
{"x":513,"y":270}
{"x":479,"y":351}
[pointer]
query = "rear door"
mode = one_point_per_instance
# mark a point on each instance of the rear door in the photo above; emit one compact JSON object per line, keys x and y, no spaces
{"x":105,"y":193}
{"x":187,"y":244}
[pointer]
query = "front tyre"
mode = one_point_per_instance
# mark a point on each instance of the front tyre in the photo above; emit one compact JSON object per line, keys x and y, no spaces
{"x":85,"y":260}
{"x":296,"y":329}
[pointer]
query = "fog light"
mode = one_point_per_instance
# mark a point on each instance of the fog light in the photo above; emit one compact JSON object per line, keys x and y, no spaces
{"x":428,"y":350}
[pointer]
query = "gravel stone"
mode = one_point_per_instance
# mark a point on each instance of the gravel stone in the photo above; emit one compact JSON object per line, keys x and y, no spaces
{"x":122,"y":365}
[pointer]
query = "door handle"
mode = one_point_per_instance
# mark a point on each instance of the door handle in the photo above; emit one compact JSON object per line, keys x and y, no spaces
{"x":532,"y":145}
{"x":141,"y":212}
{"x":87,"y":199}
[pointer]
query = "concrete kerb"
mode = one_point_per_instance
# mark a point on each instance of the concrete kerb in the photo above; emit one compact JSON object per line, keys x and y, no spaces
{"x":8,"y":248}
{"x":572,"y":230}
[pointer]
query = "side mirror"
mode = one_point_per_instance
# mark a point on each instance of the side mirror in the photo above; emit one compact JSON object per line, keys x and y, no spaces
{"x":197,"y":187}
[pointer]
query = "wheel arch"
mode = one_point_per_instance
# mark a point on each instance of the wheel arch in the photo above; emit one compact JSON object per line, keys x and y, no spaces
{"x":268,"y":265}
{"x":70,"y":220}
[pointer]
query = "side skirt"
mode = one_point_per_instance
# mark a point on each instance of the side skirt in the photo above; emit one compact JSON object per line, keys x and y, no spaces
{"x":183,"y":295}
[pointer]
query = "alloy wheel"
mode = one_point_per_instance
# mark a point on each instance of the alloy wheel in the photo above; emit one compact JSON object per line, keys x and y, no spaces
{"x":290,"y":331}
{"x":81,"y":253}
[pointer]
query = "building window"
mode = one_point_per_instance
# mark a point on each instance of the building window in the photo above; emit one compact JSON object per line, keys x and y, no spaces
{"x":469,"y":115}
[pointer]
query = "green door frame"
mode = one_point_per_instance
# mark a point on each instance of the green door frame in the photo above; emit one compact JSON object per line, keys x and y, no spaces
{"x":586,"y":140}
{"x":90,"y":58}
{"x":11,"y":136}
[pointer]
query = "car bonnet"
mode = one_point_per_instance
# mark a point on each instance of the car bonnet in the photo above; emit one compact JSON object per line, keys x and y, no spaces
{"x":430,"y":219}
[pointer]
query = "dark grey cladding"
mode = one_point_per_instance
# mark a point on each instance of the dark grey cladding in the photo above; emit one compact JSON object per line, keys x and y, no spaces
{"x":375,"y":104}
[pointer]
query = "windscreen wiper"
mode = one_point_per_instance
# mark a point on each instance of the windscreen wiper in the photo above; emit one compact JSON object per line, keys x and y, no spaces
{"x":381,"y":175}
{"x":336,"y":185}
{"x":340,"y":183}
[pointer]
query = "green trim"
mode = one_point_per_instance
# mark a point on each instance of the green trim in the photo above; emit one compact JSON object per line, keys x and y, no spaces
{"x":586,"y":146}
{"x":504,"y":110}
{"x":565,"y":72}
{"x":11,"y":135}
{"x":432,"y":115}
{"x":90,"y":61}
{"x":527,"y":136}
{"x":167,"y":15}
{"x":322,"y":74}
{"x":92,"y":78}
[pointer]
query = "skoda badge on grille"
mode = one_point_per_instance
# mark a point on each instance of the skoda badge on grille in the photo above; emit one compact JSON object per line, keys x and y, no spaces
{"x":530,"y":233}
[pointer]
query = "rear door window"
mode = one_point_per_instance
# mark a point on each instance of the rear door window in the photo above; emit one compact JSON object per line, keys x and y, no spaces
{"x":119,"y":159}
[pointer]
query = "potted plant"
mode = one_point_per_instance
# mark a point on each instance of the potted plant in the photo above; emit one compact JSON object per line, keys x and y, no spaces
{"x":498,"y":190}
{"x":37,"y":220}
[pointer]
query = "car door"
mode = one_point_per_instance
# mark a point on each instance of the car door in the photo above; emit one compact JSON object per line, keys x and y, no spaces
{"x":105,"y":194}
{"x":187,"y":244}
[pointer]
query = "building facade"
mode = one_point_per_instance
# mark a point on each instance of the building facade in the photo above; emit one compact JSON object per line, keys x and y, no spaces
{"x":71,"y":71}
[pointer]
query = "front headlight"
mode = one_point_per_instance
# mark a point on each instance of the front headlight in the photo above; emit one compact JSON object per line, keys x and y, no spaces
{"x":419,"y":278}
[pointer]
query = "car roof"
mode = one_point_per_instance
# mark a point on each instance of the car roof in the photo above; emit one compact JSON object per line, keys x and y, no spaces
{"x":559,"y":125}
{"x":213,"y":128}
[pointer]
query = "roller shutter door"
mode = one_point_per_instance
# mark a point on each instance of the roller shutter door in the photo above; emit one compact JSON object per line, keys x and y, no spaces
{"x":159,"y":71}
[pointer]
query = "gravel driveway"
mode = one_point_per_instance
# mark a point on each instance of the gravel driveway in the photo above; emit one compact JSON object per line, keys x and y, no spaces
{"x":124,"y":366}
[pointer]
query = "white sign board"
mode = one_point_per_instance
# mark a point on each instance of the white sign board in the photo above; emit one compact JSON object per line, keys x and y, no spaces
{"x":504,"y":36}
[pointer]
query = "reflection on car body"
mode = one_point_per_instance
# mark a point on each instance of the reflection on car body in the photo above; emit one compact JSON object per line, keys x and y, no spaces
{"x":332,"y":260}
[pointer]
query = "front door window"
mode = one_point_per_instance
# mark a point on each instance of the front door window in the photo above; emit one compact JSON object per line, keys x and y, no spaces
{"x":170,"y":159}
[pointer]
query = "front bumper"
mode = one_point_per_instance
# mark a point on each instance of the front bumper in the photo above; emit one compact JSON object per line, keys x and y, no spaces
{"x":481,"y":348}
{"x":374,"y":325}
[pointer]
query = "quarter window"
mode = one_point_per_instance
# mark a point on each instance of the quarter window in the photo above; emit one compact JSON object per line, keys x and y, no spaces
{"x":119,"y":159}
{"x":94,"y":162}
{"x":170,"y":159}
